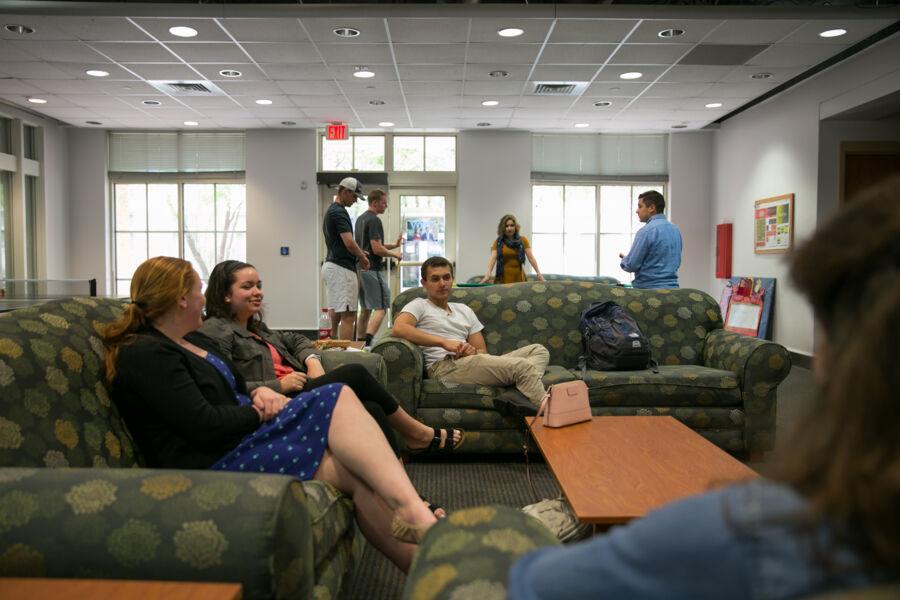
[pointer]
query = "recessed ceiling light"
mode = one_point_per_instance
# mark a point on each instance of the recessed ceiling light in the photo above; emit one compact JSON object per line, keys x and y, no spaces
{"x":191,"y":123}
{"x":510,"y":32}
{"x":151,"y":102}
{"x":385,"y":124}
{"x":93,"y":122}
{"x":714,"y":105}
{"x":264,"y":102}
{"x":96,"y":73}
{"x":37,"y":101}
{"x":499,"y":73}
{"x":363,"y":72}
{"x":346,"y":32}
{"x":602,"y":103}
{"x":376,"y":102}
{"x":20,"y":29}
{"x":483,"y":124}
{"x":185,"y":32}
{"x":670,"y":33}
{"x":230,"y":73}
{"x":760,"y":76}
{"x":830,"y":33}
{"x":631,"y":75}
{"x":288,"y":123}
{"x":490,"y":103}
{"x":582,"y":125}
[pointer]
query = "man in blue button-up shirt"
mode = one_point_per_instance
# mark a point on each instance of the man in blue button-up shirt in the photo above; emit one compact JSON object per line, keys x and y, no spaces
{"x":656,"y":253}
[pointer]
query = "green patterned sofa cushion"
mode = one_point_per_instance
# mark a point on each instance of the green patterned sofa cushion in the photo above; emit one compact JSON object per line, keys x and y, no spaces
{"x":54,"y":408}
{"x":440,"y":394}
{"x":686,"y":385}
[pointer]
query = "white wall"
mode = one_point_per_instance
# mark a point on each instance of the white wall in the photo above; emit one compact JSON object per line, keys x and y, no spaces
{"x":688,"y":205}
{"x":773,"y":149}
{"x":494,"y":179}
{"x":88,"y":197}
{"x":280,"y":213}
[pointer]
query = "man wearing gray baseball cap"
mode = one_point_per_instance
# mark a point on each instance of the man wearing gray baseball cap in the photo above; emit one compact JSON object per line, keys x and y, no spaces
{"x":339,"y":269}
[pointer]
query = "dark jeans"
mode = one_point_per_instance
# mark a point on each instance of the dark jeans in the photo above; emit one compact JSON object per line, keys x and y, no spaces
{"x":377,"y":400}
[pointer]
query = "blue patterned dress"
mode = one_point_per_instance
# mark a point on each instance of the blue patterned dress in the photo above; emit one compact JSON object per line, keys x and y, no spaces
{"x":293,"y":442}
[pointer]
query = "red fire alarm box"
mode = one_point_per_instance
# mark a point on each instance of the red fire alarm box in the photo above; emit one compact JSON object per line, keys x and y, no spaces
{"x":336,"y":131}
{"x":723,"y":251}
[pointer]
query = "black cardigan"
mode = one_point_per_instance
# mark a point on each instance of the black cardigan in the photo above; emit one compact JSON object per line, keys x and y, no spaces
{"x":180,"y":410}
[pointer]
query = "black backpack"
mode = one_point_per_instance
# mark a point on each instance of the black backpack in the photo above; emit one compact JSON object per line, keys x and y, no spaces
{"x":612,"y":341}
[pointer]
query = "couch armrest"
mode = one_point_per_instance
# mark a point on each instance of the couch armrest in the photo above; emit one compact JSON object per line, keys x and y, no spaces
{"x":759,"y":365}
{"x":332,"y":359}
{"x":154,"y":524}
{"x":469,"y":554}
{"x":405,"y":366}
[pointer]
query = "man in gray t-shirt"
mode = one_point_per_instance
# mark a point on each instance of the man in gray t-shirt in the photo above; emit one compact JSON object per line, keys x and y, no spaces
{"x":450,"y":336}
{"x":374,"y":292}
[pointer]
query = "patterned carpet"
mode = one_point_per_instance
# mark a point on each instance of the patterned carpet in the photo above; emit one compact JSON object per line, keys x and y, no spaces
{"x":454,"y":485}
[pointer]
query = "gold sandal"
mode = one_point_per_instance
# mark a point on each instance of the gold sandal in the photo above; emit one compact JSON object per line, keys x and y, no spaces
{"x":407,"y":532}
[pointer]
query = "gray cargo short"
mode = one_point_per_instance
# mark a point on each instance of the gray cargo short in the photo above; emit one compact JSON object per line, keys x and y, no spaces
{"x":374,"y":291}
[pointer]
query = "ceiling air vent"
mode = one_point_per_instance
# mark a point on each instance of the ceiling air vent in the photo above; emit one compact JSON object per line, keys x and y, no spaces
{"x":558,"y":88}
{"x":187,"y":88}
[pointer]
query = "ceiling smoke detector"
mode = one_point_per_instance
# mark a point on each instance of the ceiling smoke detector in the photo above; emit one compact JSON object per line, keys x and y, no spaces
{"x":670,"y":33}
{"x":19,"y":29}
{"x":345,"y":32}
{"x":499,"y":73}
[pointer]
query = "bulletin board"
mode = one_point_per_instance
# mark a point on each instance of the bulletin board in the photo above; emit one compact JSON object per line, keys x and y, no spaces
{"x":747,"y":305}
{"x":773,"y":224}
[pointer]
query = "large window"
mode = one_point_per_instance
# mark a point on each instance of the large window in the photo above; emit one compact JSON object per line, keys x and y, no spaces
{"x":204,"y":223}
{"x":5,"y":229}
{"x":429,"y":153}
{"x":424,"y":153}
{"x":581,"y":229}
{"x":356,"y":153}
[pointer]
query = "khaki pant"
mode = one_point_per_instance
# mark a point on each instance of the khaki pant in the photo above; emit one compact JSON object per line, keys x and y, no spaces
{"x":523,"y":368}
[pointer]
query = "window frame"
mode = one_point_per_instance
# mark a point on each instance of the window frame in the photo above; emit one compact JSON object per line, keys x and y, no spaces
{"x":649,"y":182}
{"x":179,"y":179}
{"x":389,"y":152}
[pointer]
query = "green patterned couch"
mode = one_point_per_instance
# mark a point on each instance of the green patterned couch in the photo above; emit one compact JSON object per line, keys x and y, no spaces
{"x":721,"y":384}
{"x":557,"y":277}
{"x":103,"y":516}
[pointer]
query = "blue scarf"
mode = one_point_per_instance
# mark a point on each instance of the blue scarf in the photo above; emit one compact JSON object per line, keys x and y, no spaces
{"x":516,"y":244}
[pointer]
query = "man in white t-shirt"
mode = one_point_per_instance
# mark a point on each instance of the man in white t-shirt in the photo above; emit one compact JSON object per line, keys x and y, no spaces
{"x":450,"y":336}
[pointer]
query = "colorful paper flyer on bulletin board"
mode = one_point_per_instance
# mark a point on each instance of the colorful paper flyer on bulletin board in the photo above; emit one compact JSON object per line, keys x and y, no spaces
{"x":774,"y":224}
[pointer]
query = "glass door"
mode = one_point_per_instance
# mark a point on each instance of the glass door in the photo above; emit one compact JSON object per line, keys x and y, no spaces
{"x":425,"y":220}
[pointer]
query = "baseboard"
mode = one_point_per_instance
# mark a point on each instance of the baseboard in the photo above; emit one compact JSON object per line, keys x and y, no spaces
{"x":801,"y":360}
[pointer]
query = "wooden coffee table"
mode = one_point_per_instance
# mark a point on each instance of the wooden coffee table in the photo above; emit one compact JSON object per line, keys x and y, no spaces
{"x":114,"y":589}
{"x":614,"y":469}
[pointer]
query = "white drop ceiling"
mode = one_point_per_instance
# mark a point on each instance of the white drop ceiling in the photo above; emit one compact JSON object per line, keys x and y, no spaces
{"x":432,"y":64}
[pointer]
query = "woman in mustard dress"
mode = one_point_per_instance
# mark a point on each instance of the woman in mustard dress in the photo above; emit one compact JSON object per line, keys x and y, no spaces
{"x":512,"y":249}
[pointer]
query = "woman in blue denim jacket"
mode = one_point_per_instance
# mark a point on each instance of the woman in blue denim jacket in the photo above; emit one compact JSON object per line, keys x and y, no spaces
{"x":828,"y":516}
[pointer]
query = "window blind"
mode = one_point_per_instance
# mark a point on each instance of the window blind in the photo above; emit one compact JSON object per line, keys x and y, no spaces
{"x":175,"y":152}
{"x":602,"y":155}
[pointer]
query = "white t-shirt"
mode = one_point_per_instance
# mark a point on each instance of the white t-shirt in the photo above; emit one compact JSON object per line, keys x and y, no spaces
{"x":457,"y":323}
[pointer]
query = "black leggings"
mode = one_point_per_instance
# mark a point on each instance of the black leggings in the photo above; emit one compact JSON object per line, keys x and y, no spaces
{"x":377,"y":400}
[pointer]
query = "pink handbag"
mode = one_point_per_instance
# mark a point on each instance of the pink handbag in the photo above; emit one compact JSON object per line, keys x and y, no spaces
{"x":565,"y":404}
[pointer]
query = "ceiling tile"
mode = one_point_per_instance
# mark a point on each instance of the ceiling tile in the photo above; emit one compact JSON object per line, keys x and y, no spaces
{"x":585,"y":105}
{"x":482,"y":72}
{"x":591,"y":31}
{"x":779,"y":74}
{"x":787,"y":55}
{"x":69,"y":112}
{"x":44,"y":28}
{"x":246,"y":88}
{"x":326,"y":116}
{"x":536,"y":113}
{"x":236,"y":112}
{"x":611,"y":73}
{"x":93,"y":100}
{"x":501,"y":88}
{"x":475,"y":101}
{"x":433,"y":72}
{"x":125,"y":88}
{"x":65,"y":86}
{"x":282,"y":52}
{"x":696,"y":73}
{"x":717,"y":91}
{"x":564,"y":72}
{"x":201,"y":102}
{"x":371,"y":31}
{"x":164,"y":71}
{"x":694,"y":30}
{"x":676,"y":90}
{"x":207,"y":28}
{"x":432,"y":88}
{"x":344,"y":73}
{"x":442,"y":101}
{"x":484,"y":30}
{"x":505,"y":54}
{"x":119,"y":111}
{"x":576,"y":54}
{"x":100,"y":29}
{"x":368,"y":86}
{"x":15,"y":86}
{"x":857,"y":30}
{"x":135,"y":52}
{"x":16,"y":51}
{"x":77,"y":71}
{"x":486,"y":113}
{"x":249,"y":72}
{"x":136,"y":101}
{"x":308,"y":87}
{"x":265,"y":30}
{"x":247,"y":123}
{"x":319,"y":101}
{"x":292,"y":72}
{"x":556,"y":102}
{"x":617,"y":89}
{"x":207,"y":53}
{"x":299,"y":123}
{"x":424,"y":54}
{"x":33,"y":70}
{"x":277,"y":101}
{"x":428,"y":31}
{"x":356,"y":54}
{"x":649,"y":54}
{"x":751,"y":31}
{"x":721,"y":54}
{"x":59,"y":51}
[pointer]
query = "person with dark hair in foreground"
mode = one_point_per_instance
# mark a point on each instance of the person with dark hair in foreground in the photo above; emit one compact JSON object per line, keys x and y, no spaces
{"x":188,"y":409}
{"x":828,"y":517}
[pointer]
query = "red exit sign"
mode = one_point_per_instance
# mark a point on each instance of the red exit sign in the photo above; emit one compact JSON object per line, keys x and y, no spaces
{"x":336,"y":131}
